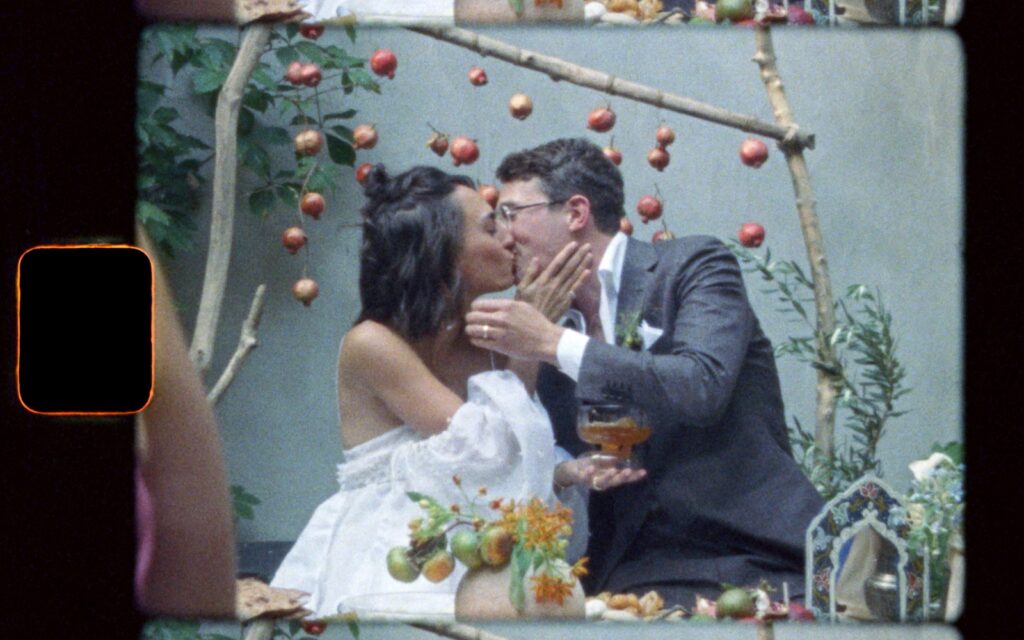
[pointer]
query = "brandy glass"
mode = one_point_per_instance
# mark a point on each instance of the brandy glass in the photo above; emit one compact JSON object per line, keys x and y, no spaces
{"x":614,"y":428}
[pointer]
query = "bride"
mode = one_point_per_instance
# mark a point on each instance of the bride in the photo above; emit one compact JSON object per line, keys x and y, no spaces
{"x":418,"y":402}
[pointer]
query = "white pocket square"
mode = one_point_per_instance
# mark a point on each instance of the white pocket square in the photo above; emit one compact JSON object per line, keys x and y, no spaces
{"x":649,"y":334}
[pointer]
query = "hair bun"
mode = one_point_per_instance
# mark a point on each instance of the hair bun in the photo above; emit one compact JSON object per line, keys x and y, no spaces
{"x":378,"y":184}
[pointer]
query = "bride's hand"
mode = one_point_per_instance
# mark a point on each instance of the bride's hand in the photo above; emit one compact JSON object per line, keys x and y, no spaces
{"x":573,"y":472}
{"x":551,"y":291}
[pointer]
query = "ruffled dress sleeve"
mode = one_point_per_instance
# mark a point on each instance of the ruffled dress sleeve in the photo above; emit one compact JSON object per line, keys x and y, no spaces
{"x":501,"y":438}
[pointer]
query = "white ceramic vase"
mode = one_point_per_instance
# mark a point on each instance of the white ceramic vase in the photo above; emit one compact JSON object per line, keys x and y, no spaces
{"x":483,"y":594}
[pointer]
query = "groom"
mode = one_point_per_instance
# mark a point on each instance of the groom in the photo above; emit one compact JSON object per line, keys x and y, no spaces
{"x":724,"y":501}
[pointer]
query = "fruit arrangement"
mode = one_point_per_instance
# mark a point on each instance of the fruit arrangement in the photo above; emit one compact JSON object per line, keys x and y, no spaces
{"x":735,"y":603}
{"x":526,"y":534}
{"x":737,"y":12}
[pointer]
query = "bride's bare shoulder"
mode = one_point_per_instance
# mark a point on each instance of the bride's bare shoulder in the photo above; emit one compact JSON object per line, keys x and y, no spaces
{"x":373,"y":342}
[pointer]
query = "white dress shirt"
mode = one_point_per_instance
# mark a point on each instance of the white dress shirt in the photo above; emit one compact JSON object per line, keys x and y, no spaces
{"x":573,"y":342}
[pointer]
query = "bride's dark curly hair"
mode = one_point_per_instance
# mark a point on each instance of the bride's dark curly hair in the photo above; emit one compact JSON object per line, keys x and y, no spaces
{"x":412,"y":235}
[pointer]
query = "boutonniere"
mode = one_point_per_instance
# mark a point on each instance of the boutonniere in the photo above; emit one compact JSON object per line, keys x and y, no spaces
{"x":629,"y":331}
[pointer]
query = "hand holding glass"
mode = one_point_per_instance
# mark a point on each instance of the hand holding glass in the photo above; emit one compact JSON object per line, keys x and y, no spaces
{"x":615,"y":428}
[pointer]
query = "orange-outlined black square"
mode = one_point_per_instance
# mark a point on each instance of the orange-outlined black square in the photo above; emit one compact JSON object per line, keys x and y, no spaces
{"x":85,"y":329}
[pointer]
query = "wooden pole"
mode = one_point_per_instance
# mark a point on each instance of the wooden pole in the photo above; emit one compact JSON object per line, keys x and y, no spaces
{"x":225,"y":176}
{"x":456,"y":631}
{"x":246,"y":342}
{"x":828,"y":382}
{"x":558,"y":69}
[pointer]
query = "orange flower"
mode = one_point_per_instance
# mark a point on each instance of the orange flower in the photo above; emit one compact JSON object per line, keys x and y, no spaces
{"x":496,"y":504}
{"x":551,"y":588}
{"x":482,"y":491}
{"x":543,"y":527}
{"x":455,"y":508}
{"x":580,"y":568}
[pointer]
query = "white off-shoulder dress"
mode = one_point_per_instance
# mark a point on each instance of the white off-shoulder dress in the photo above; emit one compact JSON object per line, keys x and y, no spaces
{"x":500,"y":438}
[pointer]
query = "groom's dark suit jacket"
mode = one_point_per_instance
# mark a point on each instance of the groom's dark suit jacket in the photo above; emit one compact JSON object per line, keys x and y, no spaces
{"x":724,"y":500}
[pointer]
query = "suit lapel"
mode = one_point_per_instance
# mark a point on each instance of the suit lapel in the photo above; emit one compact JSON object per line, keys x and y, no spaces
{"x":637,"y":270}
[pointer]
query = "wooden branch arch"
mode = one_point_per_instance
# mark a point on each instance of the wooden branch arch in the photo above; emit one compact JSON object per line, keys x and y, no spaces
{"x":791,"y":138}
{"x":792,"y":141}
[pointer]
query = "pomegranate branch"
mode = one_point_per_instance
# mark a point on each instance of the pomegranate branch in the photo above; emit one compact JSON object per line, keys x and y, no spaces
{"x":558,"y":69}
{"x":828,"y":381}
{"x":229,"y":102}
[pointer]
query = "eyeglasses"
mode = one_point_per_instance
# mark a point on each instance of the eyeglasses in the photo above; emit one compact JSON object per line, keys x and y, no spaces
{"x":507,"y":213}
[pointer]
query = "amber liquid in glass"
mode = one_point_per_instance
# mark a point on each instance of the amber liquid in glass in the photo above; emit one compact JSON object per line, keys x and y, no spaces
{"x":617,"y":437}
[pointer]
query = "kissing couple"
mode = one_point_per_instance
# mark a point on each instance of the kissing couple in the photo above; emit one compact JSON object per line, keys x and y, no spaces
{"x":436,"y":380}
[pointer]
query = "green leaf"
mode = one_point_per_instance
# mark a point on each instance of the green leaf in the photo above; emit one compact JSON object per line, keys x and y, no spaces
{"x":261,"y":202}
{"x":362,"y":78}
{"x":240,"y":495}
{"x":340,"y":151}
{"x":255,"y":158}
{"x":303,"y":166}
{"x":294,"y":626}
{"x":292,"y":30}
{"x":516,"y":589}
{"x":350,"y":31}
{"x":324,"y":178}
{"x":170,"y":231}
{"x":287,"y":55}
{"x":179,"y":60}
{"x":353,"y":628}
{"x":208,"y":80}
{"x":190,"y":142}
{"x":312,"y":52}
{"x":341,"y":115}
{"x":517,"y":6}
{"x":953,"y":449}
{"x":149,"y":212}
{"x":246,"y":121}
{"x":262,"y":76}
{"x":257,"y":100}
{"x":172,"y":629}
{"x":222,"y":52}
{"x":538,"y":559}
{"x":148,"y":95}
{"x":287,"y":196}
{"x":271,"y":135}
{"x":416,"y":496}
{"x":243,"y":511}
{"x":303,"y":119}
{"x":344,"y":132}
{"x":145,"y":182}
{"x":522,"y":559}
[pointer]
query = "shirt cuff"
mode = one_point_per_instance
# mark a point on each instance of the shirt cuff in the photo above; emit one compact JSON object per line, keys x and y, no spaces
{"x":569,"y":353}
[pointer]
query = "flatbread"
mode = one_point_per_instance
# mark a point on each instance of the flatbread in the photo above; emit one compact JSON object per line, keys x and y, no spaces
{"x":254,"y":598}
